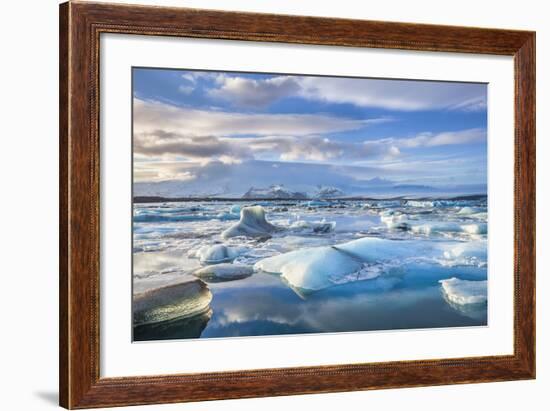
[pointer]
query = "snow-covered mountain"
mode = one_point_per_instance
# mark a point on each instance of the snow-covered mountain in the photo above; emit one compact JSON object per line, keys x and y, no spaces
{"x":328,"y":192}
{"x":273,"y":191}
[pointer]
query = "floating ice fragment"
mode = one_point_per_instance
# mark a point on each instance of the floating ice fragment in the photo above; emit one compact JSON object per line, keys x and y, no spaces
{"x":235,"y":209}
{"x":315,"y":226}
{"x":251,"y":224}
{"x":317,"y":203}
{"x":465,"y":253}
{"x":216,"y":254}
{"x":389,"y":203}
{"x":436,"y":227}
{"x":429,"y":228}
{"x":464,"y":291}
{"x":468,"y":210}
{"x":182,"y":300}
{"x":420,"y":203}
{"x":169,"y":217}
{"x":224,"y":272}
{"x":475,"y":228}
{"x":227,"y":216}
{"x":479,"y":216}
{"x":395,"y":220}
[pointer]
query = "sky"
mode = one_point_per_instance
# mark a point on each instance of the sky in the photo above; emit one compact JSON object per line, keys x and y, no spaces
{"x":220,"y":133}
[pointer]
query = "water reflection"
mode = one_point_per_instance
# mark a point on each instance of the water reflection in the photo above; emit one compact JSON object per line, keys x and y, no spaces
{"x":176,"y":329}
{"x":379,"y":304}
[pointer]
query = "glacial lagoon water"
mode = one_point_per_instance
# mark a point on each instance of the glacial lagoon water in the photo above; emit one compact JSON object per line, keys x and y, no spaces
{"x":293,"y":266}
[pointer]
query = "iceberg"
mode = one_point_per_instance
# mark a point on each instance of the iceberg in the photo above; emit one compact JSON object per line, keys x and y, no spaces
{"x":466,"y":253}
{"x":449,"y":227}
{"x":251,"y":224}
{"x":235,"y":209}
{"x":216,"y":254}
{"x":479,"y":216}
{"x":315,"y":226}
{"x":480,"y":228}
{"x":395,"y":220}
{"x":310,"y":269}
{"x":436,"y":227}
{"x":464,"y":291}
{"x":420,"y":203}
{"x":317,"y":268}
{"x":469,"y":210}
{"x":227,"y":216}
{"x":388,"y":203}
{"x":224,"y":272}
{"x":317,"y":203}
{"x":232,"y":214}
{"x":183,"y":300}
{"x":170,"y":217}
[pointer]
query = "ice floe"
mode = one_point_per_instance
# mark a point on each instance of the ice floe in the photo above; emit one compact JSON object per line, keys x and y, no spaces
{"x":171,"y":302}
{"x":464,"y":292}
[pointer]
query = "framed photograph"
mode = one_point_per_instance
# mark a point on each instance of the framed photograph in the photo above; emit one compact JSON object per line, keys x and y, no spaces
{"x":259,"y":205}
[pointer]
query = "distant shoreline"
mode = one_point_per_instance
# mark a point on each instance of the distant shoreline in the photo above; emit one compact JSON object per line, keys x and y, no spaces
{"x":157,"y":199}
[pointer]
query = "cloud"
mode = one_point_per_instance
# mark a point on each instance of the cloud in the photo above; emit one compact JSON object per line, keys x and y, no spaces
{"x":186,"y":89}
{"x":149,"y":116}
{"x":318,"y":148}
{"x":405,"y":95}
{"x":474,"y":135}
{"x":167,"y":131}
{"x":161,"y":144}
{"x":248,"y":92}
{"x":234,"y":137}
{"x":154,"y":171}
{"x":194,"y":76}
{"x":172,"y":145}
{"x":287,"y":148}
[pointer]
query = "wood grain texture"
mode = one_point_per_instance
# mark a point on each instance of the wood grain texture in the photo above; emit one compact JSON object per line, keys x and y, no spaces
{"x":80,"y":27}
{"x":63,"y":204}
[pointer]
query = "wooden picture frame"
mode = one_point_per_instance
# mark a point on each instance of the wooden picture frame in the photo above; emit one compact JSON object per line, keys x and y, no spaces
{"x":80,"y":27}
